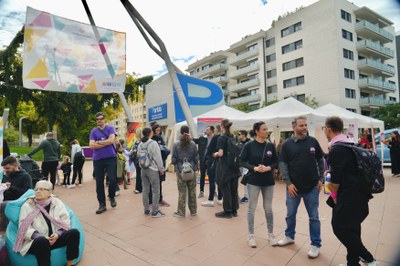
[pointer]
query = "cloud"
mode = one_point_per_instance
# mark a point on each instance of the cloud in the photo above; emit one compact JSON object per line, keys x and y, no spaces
{"x":12,"y":18}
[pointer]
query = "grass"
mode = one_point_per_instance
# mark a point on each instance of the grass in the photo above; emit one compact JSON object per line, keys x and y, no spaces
{"x":25,"y":150}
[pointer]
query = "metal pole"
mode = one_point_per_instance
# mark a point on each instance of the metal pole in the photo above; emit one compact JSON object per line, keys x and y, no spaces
{"x":163,"y":53}
{"x":20,"y":131}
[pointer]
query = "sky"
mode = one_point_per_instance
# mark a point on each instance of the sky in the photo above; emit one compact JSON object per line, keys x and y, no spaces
{"x":189,"y":29}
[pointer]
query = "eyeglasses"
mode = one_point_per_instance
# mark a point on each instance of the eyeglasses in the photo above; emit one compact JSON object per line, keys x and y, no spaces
{"x":41,"y":189}
{"x":100,"y":118}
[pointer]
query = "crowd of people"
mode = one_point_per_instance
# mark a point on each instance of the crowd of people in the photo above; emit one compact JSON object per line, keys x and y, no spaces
{"x":299,"y":159}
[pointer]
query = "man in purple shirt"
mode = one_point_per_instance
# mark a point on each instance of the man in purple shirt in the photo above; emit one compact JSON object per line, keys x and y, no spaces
{"x":102,"y":139}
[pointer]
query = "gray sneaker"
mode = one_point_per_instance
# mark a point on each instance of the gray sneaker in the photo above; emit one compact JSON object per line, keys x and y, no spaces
{"x":157,"y":214}
{"x":201,"y":194}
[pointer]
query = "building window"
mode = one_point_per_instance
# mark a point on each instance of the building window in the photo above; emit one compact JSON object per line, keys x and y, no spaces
{"x":272,"y":89}
{"x":252,"y":47}
{"x":348,"y":54}
{"x":350,"y":93}
{"x":270,"y":42}
{"x":347,"y":35}
{"x":345,"y":15}
{"x":293,"y":64}
{"x":254,"y":91}
{"x":271,"y":57}
{"x":205,"y":67}
{"x":392,"y":99}
{"x":292,"y":46}
{"x":348,"y":73}
{"x":291,"y":29}
{"x":352,"y":110}
{"x":293,"y":82}
{"x":271,"y":73}
{"x":301,"y":98}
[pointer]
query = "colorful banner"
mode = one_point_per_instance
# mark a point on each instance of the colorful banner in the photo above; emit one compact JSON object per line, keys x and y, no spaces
{"x":64,"y":55}
{"x":1,"y":146}
{"x":130,"y":139}
{"x":203,"y":123}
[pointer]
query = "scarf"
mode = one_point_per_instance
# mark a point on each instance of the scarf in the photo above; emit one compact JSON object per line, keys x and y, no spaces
{"x":40,"y":204}
{"x":339,"y":138}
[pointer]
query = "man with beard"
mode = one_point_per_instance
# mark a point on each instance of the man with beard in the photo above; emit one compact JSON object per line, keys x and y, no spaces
{"x":18,"y":181}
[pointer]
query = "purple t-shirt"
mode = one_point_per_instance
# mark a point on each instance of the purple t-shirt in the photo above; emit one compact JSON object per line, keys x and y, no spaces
{"x":107,"y":151}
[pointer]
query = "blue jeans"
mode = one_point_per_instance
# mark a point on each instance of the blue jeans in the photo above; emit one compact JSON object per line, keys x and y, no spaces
{"x":311,"y":202}
{"x":100,"y":167}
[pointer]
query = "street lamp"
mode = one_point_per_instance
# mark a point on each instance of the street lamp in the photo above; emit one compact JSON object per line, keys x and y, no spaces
{"x":20,"y":131}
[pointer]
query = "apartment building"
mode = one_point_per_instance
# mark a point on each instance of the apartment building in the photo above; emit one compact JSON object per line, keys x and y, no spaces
{"x":331,"y":51}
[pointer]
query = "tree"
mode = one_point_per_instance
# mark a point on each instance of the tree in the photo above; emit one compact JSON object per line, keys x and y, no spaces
{"x":244,"y":107}
{"x":390,"y":114}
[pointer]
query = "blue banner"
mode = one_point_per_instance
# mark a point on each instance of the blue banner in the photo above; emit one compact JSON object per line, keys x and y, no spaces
{"x":157,"y":112}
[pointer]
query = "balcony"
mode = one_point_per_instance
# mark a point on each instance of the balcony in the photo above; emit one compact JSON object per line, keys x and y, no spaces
{"x":375,"y":67}
{"x":374,"y":102}
{"x":371,"y":31}
{"x":246,"y":99}
{"x":374,"y":49}
{"x":218,"y":68}
{"x":225,"y":91}
{"x":244,"y":85}
{"x":220,"y":80}
{"x":241,"y":73}
{"x":376,"y":84}
{"x":242,"y":58}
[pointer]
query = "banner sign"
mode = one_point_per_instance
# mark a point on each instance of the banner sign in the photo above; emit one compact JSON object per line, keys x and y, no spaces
{"x":203,"y":123}
{"x":130,"y":139}
{"x":157,"y":112}
{"x":64,"y":55}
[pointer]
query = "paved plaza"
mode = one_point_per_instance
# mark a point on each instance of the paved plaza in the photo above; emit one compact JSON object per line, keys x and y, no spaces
{"x":124,"y":236}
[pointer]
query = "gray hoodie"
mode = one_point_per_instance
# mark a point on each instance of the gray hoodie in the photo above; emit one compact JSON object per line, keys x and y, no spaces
{"x":154,"y":153}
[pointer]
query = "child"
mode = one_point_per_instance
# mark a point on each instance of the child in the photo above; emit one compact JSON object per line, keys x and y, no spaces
{"x":66,"y":168}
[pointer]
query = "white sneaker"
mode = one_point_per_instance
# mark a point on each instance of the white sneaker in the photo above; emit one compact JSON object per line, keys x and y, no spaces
{"x":117,"y":193}
{"x":252,"y":242}
{"x":208,"y":203}
{"x":72,"y":186}
{"x":272,"y":240}
{"x":286,"y":241}
{"x":314,"y":252}
{"x":372,"y":263}
{"x":220,"y":202}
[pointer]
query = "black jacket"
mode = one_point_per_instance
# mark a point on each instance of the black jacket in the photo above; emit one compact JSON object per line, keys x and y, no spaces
{"x":202,"y":146}
{"x":20,"y":181}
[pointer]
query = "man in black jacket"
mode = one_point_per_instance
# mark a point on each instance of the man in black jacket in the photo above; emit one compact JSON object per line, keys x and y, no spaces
{"x":348,"y":201}
{"x":18,"y":181}
{"x":203,"y":142}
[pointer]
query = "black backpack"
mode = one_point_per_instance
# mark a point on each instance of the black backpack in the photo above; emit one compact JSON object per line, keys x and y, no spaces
{"x":233,"y":153}
{"x":369,"y":169}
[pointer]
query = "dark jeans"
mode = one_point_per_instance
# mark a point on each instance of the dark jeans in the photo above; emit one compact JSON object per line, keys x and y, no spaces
{"x":42,"y":250}
{"x":66,"y":178}
{"x":50,"y":167}
{"x":78,"y":165}
{"x":230,"y":194}
{"x":203,"y":168}
{"x":100,"y":166}
{"x":138,"y":185}
{"x":211,"y":182}
{"x":346,"y":224}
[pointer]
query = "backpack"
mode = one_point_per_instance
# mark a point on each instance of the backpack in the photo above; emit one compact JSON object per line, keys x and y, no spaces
{"x":187,"y":171}
{"x":233,"y":153}
{"x":143,"y":157}
{"x":369,"y":168}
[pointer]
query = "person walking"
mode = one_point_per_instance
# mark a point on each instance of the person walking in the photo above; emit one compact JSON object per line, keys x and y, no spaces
{"x":102,"y":140}
{"x":78,"y":160}
{"x":394,"y":148}
{"x":302,"y":168}
{"x":185,"y":149}
{"x":348,"y":201}
{"x":260,"y":158}
{"x":227,"y":177}
{"x":151,"y":175}
{"x":52,"y":154}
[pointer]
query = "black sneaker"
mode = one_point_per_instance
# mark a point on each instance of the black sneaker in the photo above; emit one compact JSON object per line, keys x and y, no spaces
{"x":147,"y":212}
{"x":102,"y":208}
{"x":113,"y":202}
{"x":244,"y":200}
{"x":234,"y":214}
{"x":223,"y":214}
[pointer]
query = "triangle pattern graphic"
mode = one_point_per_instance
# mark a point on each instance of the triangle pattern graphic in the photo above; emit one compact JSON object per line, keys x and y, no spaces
{"x":42,"y":20}
{"x":38,"y":71}
{"x":120,"y":38}
{"x":83,"y":81}
{"x":91,"y":88}
{"x":107,"y":37}
{"x":41,"y":83}
{"x":73,"y":88}
{"x":58,"y":24}
{"x":32,"y":37}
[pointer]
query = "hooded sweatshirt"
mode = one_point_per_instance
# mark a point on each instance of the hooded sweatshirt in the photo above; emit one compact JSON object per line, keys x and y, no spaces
{"x":154,"y":152}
